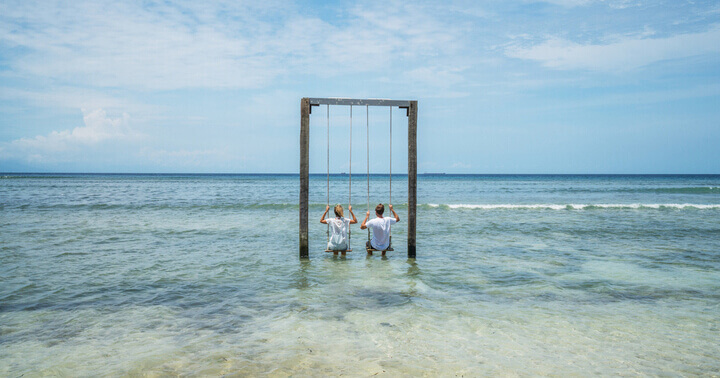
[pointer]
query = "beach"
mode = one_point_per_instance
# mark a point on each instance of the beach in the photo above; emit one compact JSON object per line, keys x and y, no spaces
{"x":515,"y":275}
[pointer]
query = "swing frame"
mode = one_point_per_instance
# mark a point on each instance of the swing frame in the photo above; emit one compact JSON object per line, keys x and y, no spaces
{"x":306,"y":105}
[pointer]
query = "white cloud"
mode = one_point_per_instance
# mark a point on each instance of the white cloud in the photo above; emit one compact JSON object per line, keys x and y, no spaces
{"x":212,"y":45}
{"x":622,"y":4}
{"x":436,"y":76}
{"x":99,"y":128}
{"x":615,"y":4}
{"x":76,"y":98}
{"x":569,"y":3}
{"x":621,"y":55}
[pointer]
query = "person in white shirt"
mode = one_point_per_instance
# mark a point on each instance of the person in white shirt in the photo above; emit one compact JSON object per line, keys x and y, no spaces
{"x":338,"y":229}
{"x":380,"y":227}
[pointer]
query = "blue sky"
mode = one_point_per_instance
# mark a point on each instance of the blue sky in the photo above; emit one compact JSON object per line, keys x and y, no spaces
{"x":556,"y":86}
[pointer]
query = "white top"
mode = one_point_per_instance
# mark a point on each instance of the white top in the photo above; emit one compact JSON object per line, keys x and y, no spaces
{"x":338,"y":233}
{"x":380,"y":232}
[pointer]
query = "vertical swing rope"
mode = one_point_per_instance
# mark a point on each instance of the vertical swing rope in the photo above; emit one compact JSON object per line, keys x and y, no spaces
{"x":350,"y":180}
{"x":390,"y":203}
{"x":367,"y":134}
{"x":328,"y":166}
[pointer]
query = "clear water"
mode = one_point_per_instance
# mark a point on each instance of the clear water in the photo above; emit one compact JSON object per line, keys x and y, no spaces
{"x":515,"y":275}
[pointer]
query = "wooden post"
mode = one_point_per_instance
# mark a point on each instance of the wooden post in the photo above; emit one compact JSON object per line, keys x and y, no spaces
{"x":412,"y":177}
{"x":304,"y":174}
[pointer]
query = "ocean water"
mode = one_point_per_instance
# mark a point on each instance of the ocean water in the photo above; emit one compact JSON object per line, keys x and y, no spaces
{"x":515,"y":275}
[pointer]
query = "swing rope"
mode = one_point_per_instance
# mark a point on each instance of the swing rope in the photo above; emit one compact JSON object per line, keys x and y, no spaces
{"x":390,"y":200}
{"x":350,"y":181}
{"x":328,"y":166}
{"x":367,"y":134}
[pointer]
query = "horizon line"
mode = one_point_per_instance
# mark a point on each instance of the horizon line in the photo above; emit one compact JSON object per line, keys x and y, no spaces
{"x":358,"y":174}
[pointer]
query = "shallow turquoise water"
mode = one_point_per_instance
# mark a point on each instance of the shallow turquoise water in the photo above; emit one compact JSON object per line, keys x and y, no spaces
{"x":172,"y":274}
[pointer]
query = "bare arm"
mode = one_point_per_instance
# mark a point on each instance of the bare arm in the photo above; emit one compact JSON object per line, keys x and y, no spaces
{"x":322,"y":220}
{"x":397,"y":218}
{"x":363,"y":226}
{"x":354,"y":220}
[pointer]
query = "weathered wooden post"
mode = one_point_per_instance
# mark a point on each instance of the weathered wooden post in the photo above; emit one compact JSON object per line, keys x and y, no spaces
{"x":304,"y":174}
{"x":412,"y":177}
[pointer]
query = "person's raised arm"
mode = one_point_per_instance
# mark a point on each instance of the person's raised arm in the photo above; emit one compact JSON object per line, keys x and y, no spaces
{"x":397,"y":218}
{"x":363,"y":226}
{"x":354,"y":220}
{"x":322,"y":220}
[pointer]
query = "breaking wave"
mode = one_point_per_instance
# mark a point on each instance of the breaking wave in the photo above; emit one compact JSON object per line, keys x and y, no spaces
{"x":662,"y":190}
{"x":576,"y":206}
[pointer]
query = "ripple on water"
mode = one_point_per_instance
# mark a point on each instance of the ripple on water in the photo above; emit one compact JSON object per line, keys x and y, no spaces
{"x":200,"y":276}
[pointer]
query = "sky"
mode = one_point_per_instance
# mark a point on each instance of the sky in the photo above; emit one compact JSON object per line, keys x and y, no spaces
{"x":554,"y":86}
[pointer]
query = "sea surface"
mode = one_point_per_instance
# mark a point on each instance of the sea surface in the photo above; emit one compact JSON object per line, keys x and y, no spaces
{"x":516,"y":275}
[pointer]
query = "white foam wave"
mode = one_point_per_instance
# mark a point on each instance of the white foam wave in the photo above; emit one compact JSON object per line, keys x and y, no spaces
{"x":581,"y":206}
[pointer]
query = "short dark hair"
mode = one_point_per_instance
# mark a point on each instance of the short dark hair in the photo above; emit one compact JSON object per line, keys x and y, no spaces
{"x":380,"y":209}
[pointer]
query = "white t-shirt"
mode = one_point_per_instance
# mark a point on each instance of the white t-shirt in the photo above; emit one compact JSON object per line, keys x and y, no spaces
{"x":338,"y":233}
{"x":380,"y":231}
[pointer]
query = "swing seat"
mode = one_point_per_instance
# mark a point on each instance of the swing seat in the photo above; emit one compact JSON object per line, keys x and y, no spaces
{"x":339,"y":250}
{"x":371,"y":250}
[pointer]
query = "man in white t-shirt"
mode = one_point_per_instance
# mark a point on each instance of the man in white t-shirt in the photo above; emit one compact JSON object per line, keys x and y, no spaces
{"x":380,"y":227}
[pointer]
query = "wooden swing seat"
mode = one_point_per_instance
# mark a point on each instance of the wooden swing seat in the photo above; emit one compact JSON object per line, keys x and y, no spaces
{"x":339,"y":250}
{"x":371,"y":250}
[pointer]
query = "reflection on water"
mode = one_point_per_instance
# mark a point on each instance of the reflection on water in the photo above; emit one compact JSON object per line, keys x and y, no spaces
{"x":301,"y":276}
